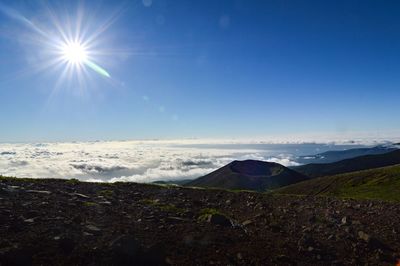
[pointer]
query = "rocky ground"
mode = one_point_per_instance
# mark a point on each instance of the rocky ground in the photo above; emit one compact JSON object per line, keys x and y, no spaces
{"x":55,"y":222}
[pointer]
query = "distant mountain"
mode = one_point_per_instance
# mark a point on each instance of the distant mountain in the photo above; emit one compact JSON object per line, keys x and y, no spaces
{"x":334,"y":156}
{"x":379,"y":183}
{"x":350,"y":165}
{"x":249,"y":175}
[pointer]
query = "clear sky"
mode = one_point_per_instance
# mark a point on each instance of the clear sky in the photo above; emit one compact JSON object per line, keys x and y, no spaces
{"x":206,"y":69}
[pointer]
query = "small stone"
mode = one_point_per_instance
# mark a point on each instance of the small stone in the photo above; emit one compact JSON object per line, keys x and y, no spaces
{"x":239,"y":256}
{"x":39,"y":191}
{"x":344,"y":220}
{"x":57,"y":238}
{"x":80,"y":195}
{"x":310,"y":249}
{"x":247,"y":222}
{"x":29,"y":220}
{"x":93,"y":228}
{"x":364,"y":236}
{"x":177,"y":219}
{"x":11,"y":189}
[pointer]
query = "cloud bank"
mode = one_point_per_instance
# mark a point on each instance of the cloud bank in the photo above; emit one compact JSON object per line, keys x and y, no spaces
{"x":139,"y":161}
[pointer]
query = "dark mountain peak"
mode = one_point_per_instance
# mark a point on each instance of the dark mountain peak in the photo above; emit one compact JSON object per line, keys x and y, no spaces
{"x":249,"y":175}
{"x":254,"y":167}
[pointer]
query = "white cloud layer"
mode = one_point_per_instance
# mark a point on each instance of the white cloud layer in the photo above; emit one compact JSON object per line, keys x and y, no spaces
{"x":139,"y":161}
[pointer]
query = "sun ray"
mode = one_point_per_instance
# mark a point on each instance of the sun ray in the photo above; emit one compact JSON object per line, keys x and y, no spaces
{"x":70,"y":45}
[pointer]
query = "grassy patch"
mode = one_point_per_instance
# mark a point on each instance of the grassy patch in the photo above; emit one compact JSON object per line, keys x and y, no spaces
{"x":106,"y":193}
{"x":380,"y":183}
{"x":7,"y":177}
{"x":208,"y":211}
{"x":162,"y":206}
{"x":90,"y":204}
{"x":24,"y":179}
{"x":72,"y":181}
{"x":242,"y":190}
{"x":205,"y":213}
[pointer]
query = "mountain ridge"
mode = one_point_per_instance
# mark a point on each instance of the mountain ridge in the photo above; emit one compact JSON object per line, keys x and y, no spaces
{"x":350,"y":165}
{"x":338,"y":155}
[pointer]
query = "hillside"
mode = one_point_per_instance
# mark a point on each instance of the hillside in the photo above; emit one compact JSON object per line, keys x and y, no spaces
{"x":249,"y":175}
{"x":350,"y":165}
{"x":380,"y":183}
{"x":65,"y":222}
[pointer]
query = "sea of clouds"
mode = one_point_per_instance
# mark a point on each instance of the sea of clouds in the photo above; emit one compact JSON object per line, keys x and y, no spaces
{"x":138,"y":161}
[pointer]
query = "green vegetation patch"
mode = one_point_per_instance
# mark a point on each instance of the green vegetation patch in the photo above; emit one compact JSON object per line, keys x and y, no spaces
{"x":380,"y":183}
{"x":167,"y":207}
{"x":90,"y":204}
{"x":242,"y":190}
{"x":24,"y":179}
{"x":72,"y":181}
{"x":205,"y":213}
{"x":6,"y":177}
{"x":106,"y":193}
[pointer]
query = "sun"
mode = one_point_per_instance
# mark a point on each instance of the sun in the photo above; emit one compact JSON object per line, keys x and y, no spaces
{"x":72,"y":44}
{"x":74,"y":53}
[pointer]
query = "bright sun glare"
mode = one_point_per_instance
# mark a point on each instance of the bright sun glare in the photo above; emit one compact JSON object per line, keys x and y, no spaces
{"x":68,"y":44}
{"x":74,"y":53}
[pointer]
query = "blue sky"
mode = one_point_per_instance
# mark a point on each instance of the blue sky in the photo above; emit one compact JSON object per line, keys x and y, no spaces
{"x":205,"y":69}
